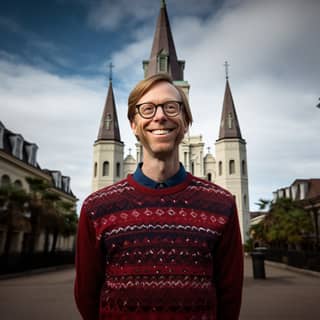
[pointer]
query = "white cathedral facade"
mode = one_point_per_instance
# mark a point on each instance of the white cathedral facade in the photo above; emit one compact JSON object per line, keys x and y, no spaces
{"x":228,"y":168}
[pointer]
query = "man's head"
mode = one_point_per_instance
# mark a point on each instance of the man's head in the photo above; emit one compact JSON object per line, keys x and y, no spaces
{"x":145,"y":85}
{"x":159,"y":114}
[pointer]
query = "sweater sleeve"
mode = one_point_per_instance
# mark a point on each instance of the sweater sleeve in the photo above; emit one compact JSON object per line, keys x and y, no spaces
{"x":229,"y":271}
{"x":89,"y":269}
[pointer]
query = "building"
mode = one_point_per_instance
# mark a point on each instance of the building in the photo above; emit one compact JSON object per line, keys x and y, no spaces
{"x":18,"y":161}
{"x":307,"y":193}
{"x":227,"y":168}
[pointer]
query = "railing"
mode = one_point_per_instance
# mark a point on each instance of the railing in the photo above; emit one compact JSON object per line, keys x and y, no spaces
{"x":299,"y":259}
{"x":24,"y":262}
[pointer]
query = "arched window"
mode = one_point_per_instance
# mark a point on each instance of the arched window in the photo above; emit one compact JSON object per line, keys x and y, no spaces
{"x":105,"y":171}
{"x":232,"y":169}
{"x":243,"y":166}
{"x":245,"y":201}
{"x":220,"y":168}
{"x":209,"y":177}
{"x":5,"y":180}
{"x":192,"y":167}
{"x":118,"y":169}
{"x":95,"y":169}
{"x":18,"y":184}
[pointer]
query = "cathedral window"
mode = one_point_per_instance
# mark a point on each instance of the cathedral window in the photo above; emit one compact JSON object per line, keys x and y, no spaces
{"x":209,"y":177}
{"x":244,"y":169}
{"x":163,"y":62}
{"x":105,"y":171}
{"x":192,"y":167}
{"x":118,"y":169}
{"x":232,"y":169}
{"x":95,"y":169}
{"x":220,"y":168}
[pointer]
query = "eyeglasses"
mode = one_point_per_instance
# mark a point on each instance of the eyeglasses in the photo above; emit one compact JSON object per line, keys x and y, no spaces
{"x":170,"y":109}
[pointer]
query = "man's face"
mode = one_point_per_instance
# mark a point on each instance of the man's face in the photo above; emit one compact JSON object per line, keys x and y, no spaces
{"x":160,"y":136}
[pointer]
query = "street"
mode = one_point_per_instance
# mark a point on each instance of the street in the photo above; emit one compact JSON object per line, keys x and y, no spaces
{"x":283,"y":295}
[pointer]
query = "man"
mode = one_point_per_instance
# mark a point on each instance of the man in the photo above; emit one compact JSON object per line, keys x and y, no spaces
{"x":160,"y":244}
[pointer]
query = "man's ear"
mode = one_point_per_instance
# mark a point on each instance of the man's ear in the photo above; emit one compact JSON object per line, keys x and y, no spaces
{"x":133,"y":127}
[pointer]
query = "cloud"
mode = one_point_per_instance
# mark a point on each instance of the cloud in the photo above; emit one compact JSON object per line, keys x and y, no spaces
{"x":60,"y":114}
{"x":111,"y":15}
{"x":274,"y":76}
{"x":274,"y":79}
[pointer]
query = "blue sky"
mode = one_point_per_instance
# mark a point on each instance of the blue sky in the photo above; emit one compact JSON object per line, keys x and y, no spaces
{"x":53,"y":77}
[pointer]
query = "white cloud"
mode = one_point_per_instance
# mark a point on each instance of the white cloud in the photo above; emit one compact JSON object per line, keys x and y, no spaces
{"x":60,"y":115}
{"x":274,"y":79}
{"x":274,"y":55}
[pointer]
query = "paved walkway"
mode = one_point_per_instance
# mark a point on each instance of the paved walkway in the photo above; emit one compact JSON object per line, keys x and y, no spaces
{"x":284,"y":295}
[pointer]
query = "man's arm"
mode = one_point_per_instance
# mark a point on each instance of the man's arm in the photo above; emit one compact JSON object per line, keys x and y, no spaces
{"x":229,"y":271}
{"x":89,"y":269}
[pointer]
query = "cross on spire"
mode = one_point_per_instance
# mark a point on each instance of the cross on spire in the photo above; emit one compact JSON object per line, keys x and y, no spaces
{"x":163,"y":3}
{"x":110,"y":70}
{"x":226,"y":65}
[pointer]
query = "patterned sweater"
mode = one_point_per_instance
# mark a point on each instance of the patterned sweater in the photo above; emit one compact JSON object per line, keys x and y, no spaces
{"x":172,"y":253}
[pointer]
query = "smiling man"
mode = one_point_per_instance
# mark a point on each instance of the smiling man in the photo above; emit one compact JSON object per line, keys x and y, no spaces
{"x":160,"y":244}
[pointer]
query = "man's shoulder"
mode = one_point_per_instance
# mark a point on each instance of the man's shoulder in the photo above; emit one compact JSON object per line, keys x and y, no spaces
{"x":108,"y":193}
{"x":207,"y":186}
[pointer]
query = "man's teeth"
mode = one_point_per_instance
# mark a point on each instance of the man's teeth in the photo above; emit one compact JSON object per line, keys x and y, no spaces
{"x":160,"y":132}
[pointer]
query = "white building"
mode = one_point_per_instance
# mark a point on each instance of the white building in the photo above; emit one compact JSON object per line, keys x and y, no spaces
{"x":228,"y":167}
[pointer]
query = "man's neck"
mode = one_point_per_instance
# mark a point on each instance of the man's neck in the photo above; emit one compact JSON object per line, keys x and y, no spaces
{"x":160,"y":170}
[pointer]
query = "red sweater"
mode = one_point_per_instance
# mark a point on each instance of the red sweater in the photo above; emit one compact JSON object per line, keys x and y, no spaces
{"x":172,"y":253}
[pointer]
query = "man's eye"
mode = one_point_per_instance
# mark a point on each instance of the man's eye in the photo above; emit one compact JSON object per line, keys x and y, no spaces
{"x":171,"y":107}
{"x":147,"y":108}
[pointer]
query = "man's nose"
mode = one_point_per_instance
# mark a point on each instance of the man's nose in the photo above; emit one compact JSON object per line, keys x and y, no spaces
{"x":159,"y":113}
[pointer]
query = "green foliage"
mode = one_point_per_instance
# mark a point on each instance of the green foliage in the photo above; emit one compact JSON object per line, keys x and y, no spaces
{"x":286,"y":223}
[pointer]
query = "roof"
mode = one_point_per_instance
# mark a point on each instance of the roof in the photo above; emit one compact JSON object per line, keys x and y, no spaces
{"x":313,"y":189}
{"x":109,"y":126}
{"x":6,"y":145}
{"x":163,"y":44}
{"x":229,"y":124}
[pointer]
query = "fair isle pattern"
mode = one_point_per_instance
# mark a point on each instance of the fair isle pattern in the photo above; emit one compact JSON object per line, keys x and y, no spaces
{"x":159,"y":248}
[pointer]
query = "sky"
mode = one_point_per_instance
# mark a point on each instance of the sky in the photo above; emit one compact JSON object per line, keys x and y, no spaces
{"x":54,"y":58}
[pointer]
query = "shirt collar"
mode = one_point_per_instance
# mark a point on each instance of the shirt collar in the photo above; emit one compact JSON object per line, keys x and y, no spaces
{"x":141,"y":178}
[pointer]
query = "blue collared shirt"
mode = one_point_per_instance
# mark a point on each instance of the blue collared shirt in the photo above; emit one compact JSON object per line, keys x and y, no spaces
{"x":142,"y":179}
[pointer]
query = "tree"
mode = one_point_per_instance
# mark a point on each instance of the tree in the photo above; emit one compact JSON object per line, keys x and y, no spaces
{"x":286,"y":223}
{"x":13,"y":205}
{"x":42,"y":207}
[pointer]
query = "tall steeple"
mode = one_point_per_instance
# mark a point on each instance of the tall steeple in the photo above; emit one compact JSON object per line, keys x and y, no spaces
{"x":229,"y":125}
{"x":231,"y":159}
{"x":109,"y":126}
{"x":108,"y":148}
{"x":163,"y":57}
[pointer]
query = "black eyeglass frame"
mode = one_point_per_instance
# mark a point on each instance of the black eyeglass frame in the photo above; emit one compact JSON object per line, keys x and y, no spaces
{"x":162,"y":105}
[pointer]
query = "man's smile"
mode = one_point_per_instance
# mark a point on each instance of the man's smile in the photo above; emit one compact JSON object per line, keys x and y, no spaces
{"x":160,"y":132}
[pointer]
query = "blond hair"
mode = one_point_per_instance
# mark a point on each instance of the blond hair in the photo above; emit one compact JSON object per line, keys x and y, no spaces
{"x":145,"y":85}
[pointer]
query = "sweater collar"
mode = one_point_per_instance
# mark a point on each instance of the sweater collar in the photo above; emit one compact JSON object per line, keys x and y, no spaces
{"x":142,"y":179}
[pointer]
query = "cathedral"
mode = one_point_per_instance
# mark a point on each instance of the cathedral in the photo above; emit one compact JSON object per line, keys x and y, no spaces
{"x":228,"y":168}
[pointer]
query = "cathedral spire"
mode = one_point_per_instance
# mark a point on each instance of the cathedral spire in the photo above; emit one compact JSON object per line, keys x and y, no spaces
{"x":163,"y":57}
{"x":109,"y":126}
{"x":229,"y":125}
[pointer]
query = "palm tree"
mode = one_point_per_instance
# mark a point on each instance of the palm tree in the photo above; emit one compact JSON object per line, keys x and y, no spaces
{"x":286,"y":223}
{"x":42,"y":207}
{"x":13,"y":205}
